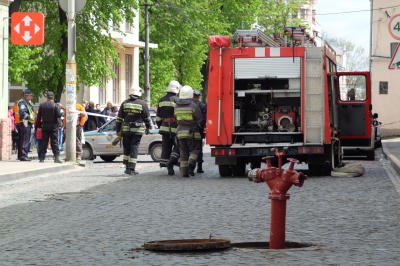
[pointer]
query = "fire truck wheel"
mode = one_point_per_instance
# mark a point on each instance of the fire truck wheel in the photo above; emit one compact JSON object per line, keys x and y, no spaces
{"x":225,"y":170}
{"x":239,"y":169}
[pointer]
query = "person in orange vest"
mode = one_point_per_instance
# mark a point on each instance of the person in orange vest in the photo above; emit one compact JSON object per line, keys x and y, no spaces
{"x":82,"y":117}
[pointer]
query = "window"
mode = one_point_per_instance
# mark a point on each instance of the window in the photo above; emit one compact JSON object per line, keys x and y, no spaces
{"x":352,"y":88}
{"x":383,"y":87}
{"x":128,"y":73}
{"x":128,"y":27}
{"x":102,"y":91}
{"x":116,"y":85}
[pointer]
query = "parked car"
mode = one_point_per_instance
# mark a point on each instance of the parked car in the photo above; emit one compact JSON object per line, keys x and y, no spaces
{"x":98,"y":143}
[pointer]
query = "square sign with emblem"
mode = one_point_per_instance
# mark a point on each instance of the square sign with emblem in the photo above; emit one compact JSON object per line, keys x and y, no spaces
{"x":27,"y":28}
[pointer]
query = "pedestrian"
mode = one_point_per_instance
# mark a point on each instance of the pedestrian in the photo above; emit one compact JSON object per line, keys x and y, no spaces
{"x":82,"y":117}
{"x":27,"y":119}
{"x":131,"y":116}
{"x":167,"y":125}
{"x":14,"y":130}
{"x":98,"y":107}
{"x":48,"y":120}
{"x":188,"y":116}
{"x":92,"y":122}
{"x":107,"y":111}
{"x":114,"y":111}
{"x":85,"y":104}
{"x":38,"y":136}
{"x":202,"y":125}
{"x":61,"y":127}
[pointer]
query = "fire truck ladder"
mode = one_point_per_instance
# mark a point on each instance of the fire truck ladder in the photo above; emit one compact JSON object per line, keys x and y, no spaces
{"x":254,"y":38}
{"x":314,"y":96}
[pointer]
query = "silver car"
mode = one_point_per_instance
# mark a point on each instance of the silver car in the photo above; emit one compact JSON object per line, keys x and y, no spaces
{"x":98,"y":143}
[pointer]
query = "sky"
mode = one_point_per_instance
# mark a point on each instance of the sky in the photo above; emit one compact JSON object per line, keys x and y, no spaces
{"x":353,"y":27}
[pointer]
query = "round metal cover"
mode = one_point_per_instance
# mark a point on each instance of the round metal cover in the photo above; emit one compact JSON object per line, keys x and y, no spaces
{"x":188,"y":245}
{"x":79,"y":5}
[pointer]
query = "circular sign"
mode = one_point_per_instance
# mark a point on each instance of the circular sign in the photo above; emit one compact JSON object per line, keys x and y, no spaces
{"x":394,"y":27}
{"x":79,"y":5}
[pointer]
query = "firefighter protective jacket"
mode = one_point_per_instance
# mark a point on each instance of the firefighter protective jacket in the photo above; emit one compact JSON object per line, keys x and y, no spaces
{"x":26,"y":111}
{"x":188,"y":116}
{"x":203,"y":108}
{"x":165,"y":114}
{"x":131,"y":115}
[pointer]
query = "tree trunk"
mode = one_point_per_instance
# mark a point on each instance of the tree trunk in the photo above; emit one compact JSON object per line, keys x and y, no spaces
{"x":63,"y":55}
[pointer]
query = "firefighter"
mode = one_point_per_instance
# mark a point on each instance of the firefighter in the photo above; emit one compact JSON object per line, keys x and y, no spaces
{"x":188,"y":116}
{"x":132,"y":113}
{"x":167,"y":125}
{"x":27,"y":119}
{"x":48,"y":119}
{"x":202,"y":125}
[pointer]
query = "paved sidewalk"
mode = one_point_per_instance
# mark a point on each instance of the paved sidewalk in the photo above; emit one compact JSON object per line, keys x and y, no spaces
{"x":14,"y":169}
{"x":391,"y":151}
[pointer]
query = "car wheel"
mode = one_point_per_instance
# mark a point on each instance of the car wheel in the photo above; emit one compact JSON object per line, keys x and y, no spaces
{"x":87,"y":153}
{"x":155,"y":152}
{"x":239,"y":169}
{"x":108,"y":158}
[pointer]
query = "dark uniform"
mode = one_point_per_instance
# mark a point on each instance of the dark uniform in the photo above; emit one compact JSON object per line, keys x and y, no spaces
{"x":48,"y":119}
{"x":132,"y":113}
{"x":27,"y":118}
{"x":188,"y":116}
{"x":202,"y":125}
{"x":167,"y":125}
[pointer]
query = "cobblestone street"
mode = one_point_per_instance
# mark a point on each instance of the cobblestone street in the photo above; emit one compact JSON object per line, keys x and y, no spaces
{"x":58,"y":220}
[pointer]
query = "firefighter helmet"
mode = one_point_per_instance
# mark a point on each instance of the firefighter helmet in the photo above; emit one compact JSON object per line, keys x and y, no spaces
{"x":174,"y":86}
{"x":186,"y":92}
{"x":136,"y":91}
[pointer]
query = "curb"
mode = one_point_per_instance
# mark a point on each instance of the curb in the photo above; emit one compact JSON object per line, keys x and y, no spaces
{"x":34,"y":172}
{"x":394,"y":161}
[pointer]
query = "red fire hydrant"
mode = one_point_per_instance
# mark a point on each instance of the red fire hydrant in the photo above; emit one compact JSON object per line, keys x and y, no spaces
{"x":279,"y":181}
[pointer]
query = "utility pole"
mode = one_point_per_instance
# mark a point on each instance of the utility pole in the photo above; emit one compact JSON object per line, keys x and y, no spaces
{"x":71,"y":86}
{"x":146,"y":56}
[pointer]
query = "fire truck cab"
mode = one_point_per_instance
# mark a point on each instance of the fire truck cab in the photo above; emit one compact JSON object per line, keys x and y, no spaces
{"x":264,"y":95}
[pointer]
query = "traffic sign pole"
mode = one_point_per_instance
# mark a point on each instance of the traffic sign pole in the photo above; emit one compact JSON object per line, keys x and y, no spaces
{"x":72,"y":116}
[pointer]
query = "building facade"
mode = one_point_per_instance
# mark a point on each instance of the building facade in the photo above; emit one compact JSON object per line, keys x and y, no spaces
{"x":385,"y":81}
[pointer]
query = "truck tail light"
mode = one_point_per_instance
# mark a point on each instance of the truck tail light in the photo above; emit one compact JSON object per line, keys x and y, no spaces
{"x":223,"y":152}
{"x":311,"y":149}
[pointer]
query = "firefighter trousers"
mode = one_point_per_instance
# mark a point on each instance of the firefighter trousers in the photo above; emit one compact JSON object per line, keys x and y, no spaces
{"x":170,"y":149}
{"x":189,"y":149}
{"x":130,"y":142}
{"x":49,"y":131}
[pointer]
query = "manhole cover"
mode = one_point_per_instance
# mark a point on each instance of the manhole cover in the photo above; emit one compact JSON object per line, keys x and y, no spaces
{"x":265,"y":245}
{"x":188,"y":245}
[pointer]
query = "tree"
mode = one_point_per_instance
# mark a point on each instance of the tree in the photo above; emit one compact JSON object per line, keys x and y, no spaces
{"x":96,"y":53}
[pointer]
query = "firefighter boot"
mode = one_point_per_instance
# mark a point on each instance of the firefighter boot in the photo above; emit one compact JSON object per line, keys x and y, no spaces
{"x":170,"y":168}
{"x":191,"y":169}
{"x":127,"y":171}
{"x":57,"y":159}
{"x":200,"y":167}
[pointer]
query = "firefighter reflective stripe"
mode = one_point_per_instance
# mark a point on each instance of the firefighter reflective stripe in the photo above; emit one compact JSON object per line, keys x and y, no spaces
{"x":184,"y":164}
{"x":147,"y":120}
{"x":126,"y":157}
{"x":158,"y":118}
{"x":166,"y":129}
{"x":132,"y":160}
{"x":130,"y":127}
{"x":166,"y":104}
{"x":193,"y":158}
{"x":119,"y":119}
{"x":184,"y":113}
{"x":183,"y":134}
{"x":133,"y":107}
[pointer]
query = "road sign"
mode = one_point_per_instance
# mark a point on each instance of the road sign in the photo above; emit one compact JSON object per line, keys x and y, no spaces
{"x":79,"y":5}
{"x":27,"y":28}
{"x":394,"y":26}
{"x":395,"y":62}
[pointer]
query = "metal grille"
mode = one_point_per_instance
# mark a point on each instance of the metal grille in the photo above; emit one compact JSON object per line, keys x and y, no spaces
{"x":294,"y":84}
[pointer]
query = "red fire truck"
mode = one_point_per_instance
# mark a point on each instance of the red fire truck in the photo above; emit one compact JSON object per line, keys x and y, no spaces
{"x":264,"y":95}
